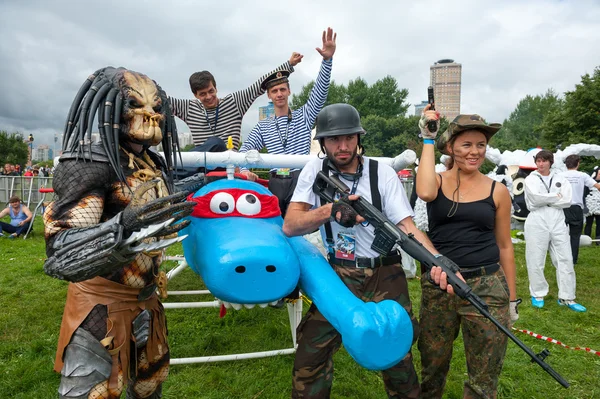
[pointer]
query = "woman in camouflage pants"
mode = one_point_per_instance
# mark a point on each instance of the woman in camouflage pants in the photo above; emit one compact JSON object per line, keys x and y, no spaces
{"x":469,"y":221}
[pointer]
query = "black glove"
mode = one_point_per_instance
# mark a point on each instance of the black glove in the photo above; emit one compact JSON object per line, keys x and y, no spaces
{"x":139,"y":214}
{"x":347,"y":213}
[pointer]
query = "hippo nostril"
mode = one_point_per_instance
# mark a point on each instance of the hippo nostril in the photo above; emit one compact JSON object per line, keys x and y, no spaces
{"x":240,"y":269}
{"x":271,"y":268}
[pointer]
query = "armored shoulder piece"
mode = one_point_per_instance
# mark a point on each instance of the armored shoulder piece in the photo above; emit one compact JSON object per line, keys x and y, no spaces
{"x":95,"y":152}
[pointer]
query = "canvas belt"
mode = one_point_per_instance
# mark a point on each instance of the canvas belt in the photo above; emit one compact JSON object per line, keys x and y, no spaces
{"x":480,"y":271}
{"x":369,"y":263}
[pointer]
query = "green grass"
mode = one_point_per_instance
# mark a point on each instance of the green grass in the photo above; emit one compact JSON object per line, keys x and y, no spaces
{"x":31,"y":309}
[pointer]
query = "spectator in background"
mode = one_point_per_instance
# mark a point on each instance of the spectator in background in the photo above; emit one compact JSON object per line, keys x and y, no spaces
{"x":574,"y":214}
{"x":546,"y":195}
{"x":9,"y":170}
{"x":589,"y":220}
{"x":20,"y":217}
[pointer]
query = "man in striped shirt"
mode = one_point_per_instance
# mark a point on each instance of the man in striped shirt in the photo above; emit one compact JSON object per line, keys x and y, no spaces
{"x":288,"y":132}
{"x":211,"y":119}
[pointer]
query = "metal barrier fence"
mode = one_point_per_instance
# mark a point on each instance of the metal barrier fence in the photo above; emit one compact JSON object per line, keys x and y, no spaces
{"x":27,"y":188}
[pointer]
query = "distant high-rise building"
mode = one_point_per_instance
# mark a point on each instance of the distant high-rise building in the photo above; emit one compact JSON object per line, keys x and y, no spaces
{"x":41,"y":153}
{"x":446,"y":82}
{"x":420,"y":107}
{"x":266,"y":112}
{"x":185,"y":139}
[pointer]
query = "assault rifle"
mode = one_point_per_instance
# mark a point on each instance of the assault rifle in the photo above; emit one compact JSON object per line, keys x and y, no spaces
{"x":387,"y":234}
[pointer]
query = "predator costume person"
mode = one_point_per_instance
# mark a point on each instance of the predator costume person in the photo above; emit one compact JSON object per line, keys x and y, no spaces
{"x":105,"y":232}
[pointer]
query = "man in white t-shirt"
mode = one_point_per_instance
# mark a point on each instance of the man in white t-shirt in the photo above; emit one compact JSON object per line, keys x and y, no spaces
{"x":348,"y":238}
{"x":574,"y":214}
{"x":546,"y":195}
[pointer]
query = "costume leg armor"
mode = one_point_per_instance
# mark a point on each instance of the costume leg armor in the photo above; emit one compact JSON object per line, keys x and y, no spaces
{"x":86,"y":364}
{"x":147,"y":379}
{"x":141,"y":328}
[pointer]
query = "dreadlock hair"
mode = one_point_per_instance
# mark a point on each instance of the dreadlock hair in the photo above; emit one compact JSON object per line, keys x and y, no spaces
{"x":106,"y":86}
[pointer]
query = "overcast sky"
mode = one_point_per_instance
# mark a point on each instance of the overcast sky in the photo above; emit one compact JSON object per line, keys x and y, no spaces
{"x":507,"y":49}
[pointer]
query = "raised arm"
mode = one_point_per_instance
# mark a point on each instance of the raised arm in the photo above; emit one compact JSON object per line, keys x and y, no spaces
{"x":318,"y":94}
{"x":180,"y":107}
{"x":254,"y":141}
{"x":427,"y":180}
{"x":244,"y":98}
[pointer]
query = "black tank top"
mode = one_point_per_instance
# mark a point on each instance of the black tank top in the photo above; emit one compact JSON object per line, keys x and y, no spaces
{"x":467,"y":237}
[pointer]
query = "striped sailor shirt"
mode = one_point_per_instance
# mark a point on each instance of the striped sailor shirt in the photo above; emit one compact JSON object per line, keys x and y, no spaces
{"x":282,"y":135}
{"x":205,"y":123}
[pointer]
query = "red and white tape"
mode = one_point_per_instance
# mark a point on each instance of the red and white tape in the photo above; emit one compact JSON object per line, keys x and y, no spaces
{"x":554,"y":341}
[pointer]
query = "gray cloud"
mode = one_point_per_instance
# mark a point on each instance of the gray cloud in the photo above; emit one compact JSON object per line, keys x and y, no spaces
{"x":508,"y":49}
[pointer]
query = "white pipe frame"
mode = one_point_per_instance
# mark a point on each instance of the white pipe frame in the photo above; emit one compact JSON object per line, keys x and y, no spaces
{"x":294,"y":314}
{"x":251,"y":159}
{"x":254,"y":159}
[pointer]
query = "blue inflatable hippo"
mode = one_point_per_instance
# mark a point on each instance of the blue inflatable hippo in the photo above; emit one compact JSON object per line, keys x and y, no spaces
{"x":235,"y":243}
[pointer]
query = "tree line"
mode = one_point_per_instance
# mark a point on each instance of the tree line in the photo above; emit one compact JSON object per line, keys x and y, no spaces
{"x":13,"y":148}
{"x":548,"y":120}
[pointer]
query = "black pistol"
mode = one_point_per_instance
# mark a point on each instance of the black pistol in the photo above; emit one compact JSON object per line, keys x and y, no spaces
{"x":431,"y":125}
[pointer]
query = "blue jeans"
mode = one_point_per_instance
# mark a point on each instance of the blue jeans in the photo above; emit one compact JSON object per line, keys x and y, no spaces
{"x":9,"y":228}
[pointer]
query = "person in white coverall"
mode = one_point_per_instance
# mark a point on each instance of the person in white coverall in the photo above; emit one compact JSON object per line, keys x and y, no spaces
{"x":546,"y":195}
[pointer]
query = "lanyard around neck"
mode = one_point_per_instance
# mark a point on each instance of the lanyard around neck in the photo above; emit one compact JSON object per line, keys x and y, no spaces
{"x":284,"y":139}
{"x":548,"y":187}
{"x":348,"y":176}
{"x":216,"y":119}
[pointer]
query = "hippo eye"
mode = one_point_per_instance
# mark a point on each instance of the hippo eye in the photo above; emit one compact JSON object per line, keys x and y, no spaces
{"x":248,"y":204}
{"x":222,"y":203}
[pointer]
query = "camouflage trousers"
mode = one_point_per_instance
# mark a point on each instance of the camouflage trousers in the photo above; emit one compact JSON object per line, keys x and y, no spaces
{"x":441,"y":318}
{"x":318,"y":340}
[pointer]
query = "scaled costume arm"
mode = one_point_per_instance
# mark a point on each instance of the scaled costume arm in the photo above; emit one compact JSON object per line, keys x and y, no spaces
{"x":73,"y":222}
{"x":78,"y":245}
{"x":244,"y":98}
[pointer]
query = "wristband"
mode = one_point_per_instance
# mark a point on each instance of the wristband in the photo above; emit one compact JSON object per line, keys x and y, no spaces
{"x":428,"y":141}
